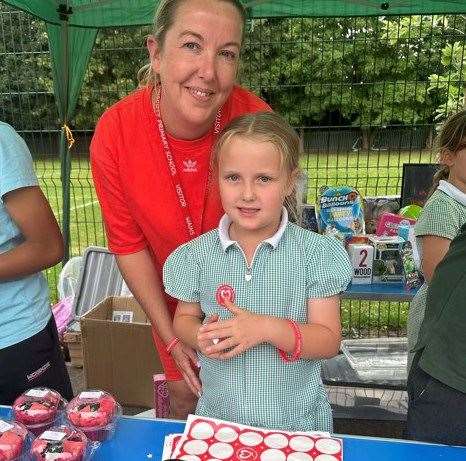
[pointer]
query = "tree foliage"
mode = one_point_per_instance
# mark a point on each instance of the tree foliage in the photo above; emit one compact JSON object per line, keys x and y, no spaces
{"x":26,"y":88}
{"x":112,"y":72}
{"x":451,"y":83}
{"x":362,"y":72}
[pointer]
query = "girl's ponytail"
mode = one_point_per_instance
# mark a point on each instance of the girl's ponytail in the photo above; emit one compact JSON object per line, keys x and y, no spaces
{"x":292,"y":206}
{"x":146,"y":76}
{"x":451,"y":138}
{"x":442,"y":173}
{"x":295,"y":201}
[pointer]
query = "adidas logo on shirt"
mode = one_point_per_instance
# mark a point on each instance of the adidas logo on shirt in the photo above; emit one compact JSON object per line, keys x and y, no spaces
{"x":190,"y":166}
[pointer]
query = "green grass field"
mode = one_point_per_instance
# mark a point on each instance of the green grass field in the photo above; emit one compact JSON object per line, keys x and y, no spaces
{"x":373,"y":173}
{"x":86,"y":228}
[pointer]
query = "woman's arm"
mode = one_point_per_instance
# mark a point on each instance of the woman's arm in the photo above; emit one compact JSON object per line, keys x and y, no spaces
{"x":43,"y":244}
{"x":186,"y":323}
{"x":434,"y":249}
{"x":142,"y":279}
{"x":321,"y":335}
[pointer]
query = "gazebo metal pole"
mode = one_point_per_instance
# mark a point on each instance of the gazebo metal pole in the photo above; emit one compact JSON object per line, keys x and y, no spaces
{"x":65,"y":154}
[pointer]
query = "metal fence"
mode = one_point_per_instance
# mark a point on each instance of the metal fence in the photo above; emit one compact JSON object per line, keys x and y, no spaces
{"x":365,"y":95}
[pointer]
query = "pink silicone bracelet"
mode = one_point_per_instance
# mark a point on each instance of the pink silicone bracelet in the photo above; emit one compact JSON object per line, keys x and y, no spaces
{"x":298,"y":344}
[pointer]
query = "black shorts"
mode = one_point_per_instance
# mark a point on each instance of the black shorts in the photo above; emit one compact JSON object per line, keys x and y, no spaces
{"x":36,"y":361}
{"x":436,"y":412}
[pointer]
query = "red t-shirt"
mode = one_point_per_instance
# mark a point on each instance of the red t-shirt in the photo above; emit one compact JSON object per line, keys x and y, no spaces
{"x":135,"y":189}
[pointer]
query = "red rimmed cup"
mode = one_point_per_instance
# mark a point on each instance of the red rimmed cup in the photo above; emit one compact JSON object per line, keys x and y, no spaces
{"x":13,"y":438}
{"x":95,"y":413}
{"x":60,"y":443}
{"x":38,"y":409}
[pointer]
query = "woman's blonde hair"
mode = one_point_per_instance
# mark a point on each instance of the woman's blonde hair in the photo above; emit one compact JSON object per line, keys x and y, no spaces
{"x":451,"y":138}
{"x":268,"y":127}
{"x":163,"y":21}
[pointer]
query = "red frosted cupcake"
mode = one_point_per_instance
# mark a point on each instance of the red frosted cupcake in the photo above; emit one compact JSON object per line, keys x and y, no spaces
{"x":59,"y":443}
{"x":38,"y":409}
{"x":12,"y":439}
{"x":94,"y":413}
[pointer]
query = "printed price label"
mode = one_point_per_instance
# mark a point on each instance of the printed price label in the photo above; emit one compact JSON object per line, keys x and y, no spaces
{"x":40,"y":393}
{"x":122,"y":316}
{"x":4,"y":426}
{"x":90,"y":395}
{"x":53,"y":456}
{"x":53,"y":436}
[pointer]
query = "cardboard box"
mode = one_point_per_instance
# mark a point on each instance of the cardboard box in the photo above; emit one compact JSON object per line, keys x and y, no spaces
{"x":73,"y":341}
{"x":120,"y":357}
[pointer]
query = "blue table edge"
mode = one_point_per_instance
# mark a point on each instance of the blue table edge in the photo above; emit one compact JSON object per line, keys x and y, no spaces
{"x":344,"y":436}
{"x":457,"y":455}
{"x":394,"y":291}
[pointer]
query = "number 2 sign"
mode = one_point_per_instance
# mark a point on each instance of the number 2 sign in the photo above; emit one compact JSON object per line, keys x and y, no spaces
{"x":361,"y":256}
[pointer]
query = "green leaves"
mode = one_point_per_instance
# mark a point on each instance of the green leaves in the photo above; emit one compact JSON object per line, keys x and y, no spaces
{"x":368,"y":71}
{"x":450,"y":85}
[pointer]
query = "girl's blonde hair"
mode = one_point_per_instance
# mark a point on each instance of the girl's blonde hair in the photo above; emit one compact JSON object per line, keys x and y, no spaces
{"x":268,"y":127}
{"x":163,"y":21}
{"x":451,"y":138}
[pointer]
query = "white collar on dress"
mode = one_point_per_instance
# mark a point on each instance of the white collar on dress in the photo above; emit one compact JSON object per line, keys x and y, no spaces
{"x":452,"y":191}
{"x":224,"y":225}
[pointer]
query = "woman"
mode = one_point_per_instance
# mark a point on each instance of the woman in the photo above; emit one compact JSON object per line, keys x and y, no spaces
{"x":150,"y":159}
{"x":30,"y":241}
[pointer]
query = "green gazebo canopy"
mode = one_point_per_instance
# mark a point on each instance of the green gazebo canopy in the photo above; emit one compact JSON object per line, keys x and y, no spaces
{"x":110,"y":13}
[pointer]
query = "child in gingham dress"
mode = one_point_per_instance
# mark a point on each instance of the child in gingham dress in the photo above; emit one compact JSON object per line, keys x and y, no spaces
{"x":442,"y":216}
{"x":259,"y":296}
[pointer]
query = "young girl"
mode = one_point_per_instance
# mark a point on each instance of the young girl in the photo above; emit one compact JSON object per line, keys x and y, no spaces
{"x":30,"y":240}
{"x":443,"y":215}
{"x":268,"y":290}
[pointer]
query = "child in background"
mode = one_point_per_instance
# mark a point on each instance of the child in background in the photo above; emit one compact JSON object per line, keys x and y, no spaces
{"x":268,"y":290}
{"x":30,"y":241}
{"x":442,"y":217}
{"x":437,"y":381}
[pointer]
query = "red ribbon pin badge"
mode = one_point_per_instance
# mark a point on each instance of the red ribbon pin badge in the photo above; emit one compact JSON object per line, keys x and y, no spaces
{"x":224,"y":292}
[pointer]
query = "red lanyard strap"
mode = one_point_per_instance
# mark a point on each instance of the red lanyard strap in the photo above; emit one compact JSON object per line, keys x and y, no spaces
{"x":176,"y":180}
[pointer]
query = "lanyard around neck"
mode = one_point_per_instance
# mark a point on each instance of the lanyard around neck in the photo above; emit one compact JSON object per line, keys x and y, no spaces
{"x":176,"y":180}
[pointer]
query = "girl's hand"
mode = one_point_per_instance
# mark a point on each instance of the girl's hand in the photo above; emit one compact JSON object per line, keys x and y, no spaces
{"x":186,"y":361}
{"x":235,"y":335}
{"x":205,"y":343}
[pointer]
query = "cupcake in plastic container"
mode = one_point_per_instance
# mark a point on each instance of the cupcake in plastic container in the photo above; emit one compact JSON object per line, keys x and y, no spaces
{"x":38,"y":409}
{"x":95,"y":413}
{"x":60,"y":443}
{"x":14,"y":440}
